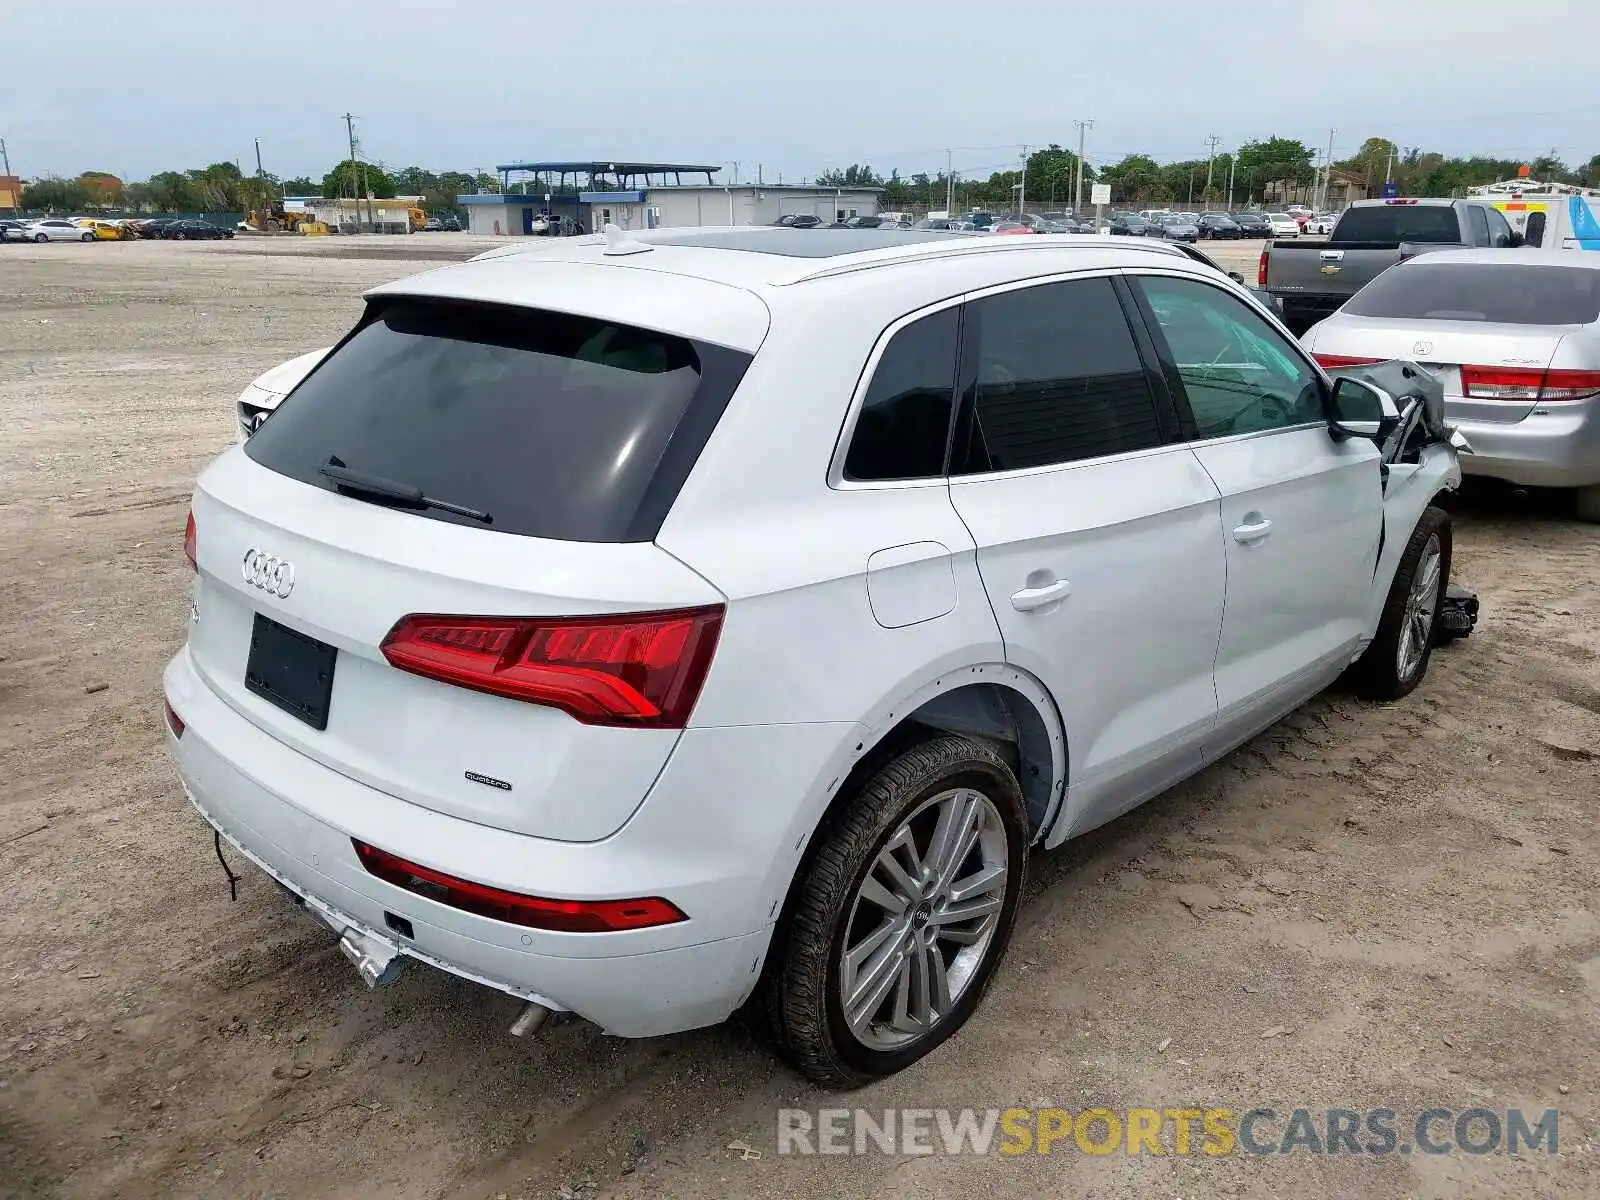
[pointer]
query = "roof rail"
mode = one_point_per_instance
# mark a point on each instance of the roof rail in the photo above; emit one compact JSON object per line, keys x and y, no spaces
{"x":890,"y":256}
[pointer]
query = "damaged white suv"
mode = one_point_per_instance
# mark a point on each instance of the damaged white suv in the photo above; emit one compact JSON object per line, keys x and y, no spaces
{"x":645,"y":625}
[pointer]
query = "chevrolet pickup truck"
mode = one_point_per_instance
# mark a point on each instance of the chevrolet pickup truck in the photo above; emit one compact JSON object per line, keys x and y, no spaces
{"x":1311,"y":280}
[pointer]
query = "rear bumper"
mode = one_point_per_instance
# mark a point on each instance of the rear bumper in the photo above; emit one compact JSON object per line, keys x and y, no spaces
{"x":1557,"y":445}
{"x":295,"y":818}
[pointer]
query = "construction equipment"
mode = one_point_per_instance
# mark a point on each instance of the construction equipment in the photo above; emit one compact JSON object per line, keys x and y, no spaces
{"x":273,"y":218}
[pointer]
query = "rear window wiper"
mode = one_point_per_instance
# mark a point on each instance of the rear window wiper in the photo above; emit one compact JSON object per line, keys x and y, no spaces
{"x":389,"y":489}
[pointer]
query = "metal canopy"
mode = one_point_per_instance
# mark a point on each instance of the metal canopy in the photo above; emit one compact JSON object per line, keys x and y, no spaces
{"x":585,"y":174}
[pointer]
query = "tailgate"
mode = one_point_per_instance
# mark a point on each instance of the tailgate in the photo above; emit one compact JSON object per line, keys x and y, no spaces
{"x":357,"y":568}
{"x":1326,"y":270}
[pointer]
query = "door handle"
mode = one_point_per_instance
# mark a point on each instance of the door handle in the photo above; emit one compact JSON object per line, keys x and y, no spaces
{"x":1252,"y":531}
{"x":1029,"y":599}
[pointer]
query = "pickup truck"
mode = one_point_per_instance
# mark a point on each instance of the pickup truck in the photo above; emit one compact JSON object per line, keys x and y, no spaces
{"x":1311,"y":280}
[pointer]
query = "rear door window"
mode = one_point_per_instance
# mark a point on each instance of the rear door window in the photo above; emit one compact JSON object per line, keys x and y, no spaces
{"x":1499,"y":230}
{"x":1399,"y":223}
{"x":1480,"y":226}
{"x":904,"y":423}
{"x":1497,"y":293}
{"x":557,"y":426}
{"x":1056,"y":378}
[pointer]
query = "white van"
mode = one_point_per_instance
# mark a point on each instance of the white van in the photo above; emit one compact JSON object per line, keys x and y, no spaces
{"x":1553,"y":220}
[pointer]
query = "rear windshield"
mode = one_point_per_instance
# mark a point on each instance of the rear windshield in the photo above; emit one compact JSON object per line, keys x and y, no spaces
{"x":1502,"y":293}
{"x":556,"y":426}
{"x":1399,"y":223}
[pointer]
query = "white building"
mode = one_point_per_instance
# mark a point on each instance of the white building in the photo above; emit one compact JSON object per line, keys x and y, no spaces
{"x":649,"y":196}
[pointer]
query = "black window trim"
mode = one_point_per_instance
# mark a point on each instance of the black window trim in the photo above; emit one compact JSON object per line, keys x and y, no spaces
{"x":1174,"y":381}
{"x":1167,"y":413}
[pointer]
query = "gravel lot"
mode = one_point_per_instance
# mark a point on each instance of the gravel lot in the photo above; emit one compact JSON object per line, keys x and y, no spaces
{"x":1404,"y":897}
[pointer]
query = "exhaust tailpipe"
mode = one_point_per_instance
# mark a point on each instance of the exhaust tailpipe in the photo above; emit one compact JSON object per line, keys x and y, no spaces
{"x":530,"y":1020}
{"x":378,"y":964}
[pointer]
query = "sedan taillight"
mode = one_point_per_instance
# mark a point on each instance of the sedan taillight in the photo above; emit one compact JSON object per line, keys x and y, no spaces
{"x":1330,"y":361}
{"x":635,"y":669}
{"x":1525,"y":383}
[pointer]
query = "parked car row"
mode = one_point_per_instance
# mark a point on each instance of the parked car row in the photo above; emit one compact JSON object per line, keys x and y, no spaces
{"x":108,"y":229}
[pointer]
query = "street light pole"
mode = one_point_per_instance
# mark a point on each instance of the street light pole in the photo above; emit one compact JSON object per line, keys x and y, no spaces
{"x":949,"y":184}
{"x":1022,"y":188}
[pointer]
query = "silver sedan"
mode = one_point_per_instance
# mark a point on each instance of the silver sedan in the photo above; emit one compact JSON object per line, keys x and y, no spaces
{"x":56,"y":229}
{"x":1513,"y":335}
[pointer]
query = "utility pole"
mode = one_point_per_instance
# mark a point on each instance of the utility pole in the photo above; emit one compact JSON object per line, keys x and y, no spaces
{"x":735,"y":172}
{"x":1191,"y":187}
{"x":1388,"y":170}
{"x":4,"y":157}
{"x":1022,"y":188}
{"x":759,"y":181}
{"x":259,"y":171}
{"x":1077,"y":191}
{"x":1327,"y":175}
{"x":1233,"y":163}
{"x":350,"y":129}
{"x":1211,"y":159}
{"x":949,"y":184}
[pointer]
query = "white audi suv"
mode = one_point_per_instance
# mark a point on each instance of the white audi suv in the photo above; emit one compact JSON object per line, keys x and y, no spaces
{"x":648,"y":625}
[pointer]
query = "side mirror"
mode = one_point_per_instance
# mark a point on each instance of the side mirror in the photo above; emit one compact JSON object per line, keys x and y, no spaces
{"x":1517,"y":240}
{"x":1360,"y":409}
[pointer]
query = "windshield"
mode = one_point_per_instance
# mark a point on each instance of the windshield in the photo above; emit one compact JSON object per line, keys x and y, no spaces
{"x":556,"y":425}
{"x":1499,"y":293}
{"x":1400,"y":223}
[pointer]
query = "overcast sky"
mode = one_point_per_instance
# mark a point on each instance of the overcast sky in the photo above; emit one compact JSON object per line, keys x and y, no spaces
{"x":796,"y":87}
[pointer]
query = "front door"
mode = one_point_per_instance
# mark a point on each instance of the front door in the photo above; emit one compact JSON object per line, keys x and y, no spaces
{"x":1097,"y":535}
{"x":1302,"y":514}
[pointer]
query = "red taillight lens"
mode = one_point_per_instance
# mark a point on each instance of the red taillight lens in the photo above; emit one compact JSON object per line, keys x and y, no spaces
{"x":638,"y":669}
{"x":1261,"y":269}
{"x":1400,"y":201}
{"x":1569,"y":385}
{"x":188,"y":543}
{"x":533,"y":912}
{"x":1501,"y":383}
{"x":174,"y":721}
{"x":1344,"y":360}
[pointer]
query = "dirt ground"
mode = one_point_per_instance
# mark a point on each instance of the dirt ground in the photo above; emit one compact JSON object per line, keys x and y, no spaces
{"x":1406,"y":897}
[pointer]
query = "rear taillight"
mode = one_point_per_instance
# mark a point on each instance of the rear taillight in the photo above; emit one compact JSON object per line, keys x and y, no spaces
{"x":634,"y":669}
{"x":1525,"y":383}
{"x":532,"y":912}
{"x":188,"y":543}
{"x":174,"y":721}
{"x":1261,"y":268}
{"x":1569,"y":385}
{"x":1330,"y":361}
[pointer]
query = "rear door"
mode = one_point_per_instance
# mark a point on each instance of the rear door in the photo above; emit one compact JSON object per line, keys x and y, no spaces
{"x":1097,"y":533}
{"x":1301,"y":513}
{"x":514,"y":649}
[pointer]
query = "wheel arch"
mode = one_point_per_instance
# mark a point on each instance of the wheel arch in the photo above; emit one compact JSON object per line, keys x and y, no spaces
{"x":991,"y":700}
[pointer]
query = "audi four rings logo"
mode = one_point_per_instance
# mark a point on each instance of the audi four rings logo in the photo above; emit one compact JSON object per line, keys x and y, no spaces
{"x":268,"y":572}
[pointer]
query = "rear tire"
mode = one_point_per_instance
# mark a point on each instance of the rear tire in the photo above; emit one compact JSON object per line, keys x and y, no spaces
{"x":88,"y":237}
{"x":1396,"y":661}
{"x":1586,"y":503}
{"x":878,"y":892}
{"x":41,"y":238}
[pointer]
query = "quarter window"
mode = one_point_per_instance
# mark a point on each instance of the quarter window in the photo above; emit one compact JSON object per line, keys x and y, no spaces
{"x":1480,"y":226}
{"x":905,"y":417}
{"x":1057,"y":378}
{"x":1240,"y":375}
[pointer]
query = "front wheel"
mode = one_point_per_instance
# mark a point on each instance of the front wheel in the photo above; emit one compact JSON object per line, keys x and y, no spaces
{"x":41,"y":238}
{"x":88,"y":237}
{"x":901,"y":916}
{"x":1398,"y":657}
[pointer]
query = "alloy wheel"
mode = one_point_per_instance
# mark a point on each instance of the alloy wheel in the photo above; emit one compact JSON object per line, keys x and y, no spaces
{"x":923,"y":918}
{"x":1421,"y":605}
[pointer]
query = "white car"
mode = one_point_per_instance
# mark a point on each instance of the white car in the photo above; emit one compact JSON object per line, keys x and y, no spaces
{"x":56,"y":229}
{"x":640,"y":624}
{"x":1283,"y":225}
{"x":1321,"y":225}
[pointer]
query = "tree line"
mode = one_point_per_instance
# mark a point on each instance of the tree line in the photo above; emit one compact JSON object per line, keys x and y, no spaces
{"x":1051,"y":178}
{"x":1269,"y":165}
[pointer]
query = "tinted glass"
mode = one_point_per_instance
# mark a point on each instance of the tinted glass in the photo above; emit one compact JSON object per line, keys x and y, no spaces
{"x":558,"y":426}
{"x":1534,"y":233}
{"x":1508,"y":293}
{"x":1400,"y":223}
{"x":1499,"y":229}
{"x":1480,"y":226}
{"x":1239,"y":373}
{"x":1057,"y":378}
{"x":905,"y":417}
